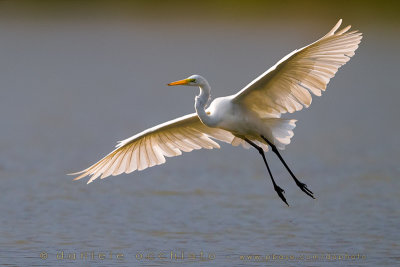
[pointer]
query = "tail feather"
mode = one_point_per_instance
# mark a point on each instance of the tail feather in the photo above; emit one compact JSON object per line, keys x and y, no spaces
{"x":237,"y":141}
{"x":281,"y":130}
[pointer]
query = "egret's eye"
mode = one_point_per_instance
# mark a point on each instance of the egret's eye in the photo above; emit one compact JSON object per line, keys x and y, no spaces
{"x":192,"y":80}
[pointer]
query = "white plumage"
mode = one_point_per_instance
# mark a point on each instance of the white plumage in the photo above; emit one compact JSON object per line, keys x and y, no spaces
{"x":252,"y":113}
{"x":150,"y":147}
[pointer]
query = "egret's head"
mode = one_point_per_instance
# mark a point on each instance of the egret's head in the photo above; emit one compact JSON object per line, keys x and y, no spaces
{"x":194,"y":80}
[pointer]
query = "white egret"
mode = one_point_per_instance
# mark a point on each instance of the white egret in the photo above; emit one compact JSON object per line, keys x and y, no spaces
{"x":250,"y":117}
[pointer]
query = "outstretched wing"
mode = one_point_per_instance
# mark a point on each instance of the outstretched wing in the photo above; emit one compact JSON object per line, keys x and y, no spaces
{"x":151,"y":146}
{"x":286,"y":86}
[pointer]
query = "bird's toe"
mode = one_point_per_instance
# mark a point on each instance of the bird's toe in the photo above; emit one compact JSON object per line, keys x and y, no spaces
{"x":280,"y":192}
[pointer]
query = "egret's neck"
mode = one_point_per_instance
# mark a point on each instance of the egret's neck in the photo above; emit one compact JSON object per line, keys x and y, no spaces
{"x":201,"y":103}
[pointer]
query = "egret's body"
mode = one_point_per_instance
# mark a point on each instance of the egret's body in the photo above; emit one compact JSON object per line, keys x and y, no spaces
{"x":252,"y":117}
{"x":234,"y":118}
{"x":226,"y":114}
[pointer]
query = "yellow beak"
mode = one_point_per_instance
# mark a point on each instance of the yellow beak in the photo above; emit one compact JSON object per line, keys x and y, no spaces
{"x":181,"y":82}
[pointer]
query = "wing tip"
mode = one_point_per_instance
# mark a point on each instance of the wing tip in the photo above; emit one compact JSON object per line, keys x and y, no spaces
{"x":336,"y":27}
{"x":76,"y":178}
{"x":80,"y":176}
{"x":76,"y":173}
{"x":83,"y":174}
{"x":344,"y":30}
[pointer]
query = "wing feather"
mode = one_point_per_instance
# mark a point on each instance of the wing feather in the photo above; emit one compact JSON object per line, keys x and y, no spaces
{"x":150,"y":147}
{"x":142,"y":160}
{"x":149,"y":152}
{"x":160,"y":159}
{"x":287,"y":85}
{"x":168,"y":150}
{"x":124,"y":162}
{"x":118,"y":162}
{"x":133,"y":166}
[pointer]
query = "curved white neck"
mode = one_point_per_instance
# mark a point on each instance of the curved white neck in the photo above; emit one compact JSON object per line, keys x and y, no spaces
{"x":201,"y":103}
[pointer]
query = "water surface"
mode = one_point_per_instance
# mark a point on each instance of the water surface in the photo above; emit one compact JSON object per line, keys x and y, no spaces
{"x":71,"y":88}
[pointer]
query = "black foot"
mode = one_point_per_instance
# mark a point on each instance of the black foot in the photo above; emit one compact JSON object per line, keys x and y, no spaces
{"x":304,"y":188}
{"x":280,"y":192}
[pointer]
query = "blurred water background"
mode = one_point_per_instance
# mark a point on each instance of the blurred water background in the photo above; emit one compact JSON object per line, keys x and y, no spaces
{"x":77,"y":76}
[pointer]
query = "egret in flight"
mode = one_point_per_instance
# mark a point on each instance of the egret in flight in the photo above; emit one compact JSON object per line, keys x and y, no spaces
{"x":251,"y":117}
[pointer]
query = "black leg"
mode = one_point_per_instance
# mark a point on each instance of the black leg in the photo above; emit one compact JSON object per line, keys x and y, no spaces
{"x":279,"y":190}
{"x":301,"y":185}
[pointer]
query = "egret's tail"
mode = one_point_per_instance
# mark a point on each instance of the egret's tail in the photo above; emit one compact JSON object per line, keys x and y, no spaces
{"x":281,"y":131}
{"x":277,"y":130}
